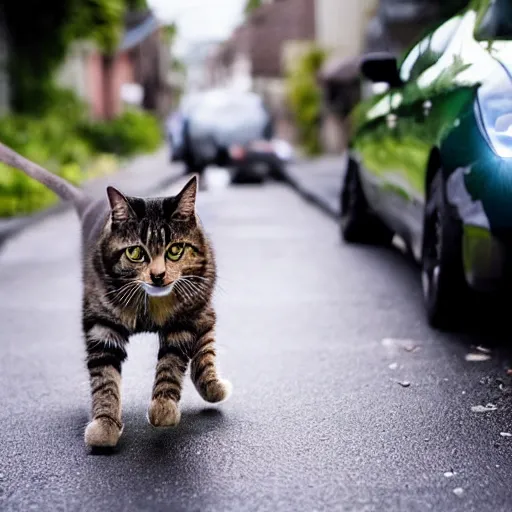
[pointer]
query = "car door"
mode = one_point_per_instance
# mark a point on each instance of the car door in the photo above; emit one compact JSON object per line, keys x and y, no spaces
{"x":369,"y":145}
{"x":381,"y":145}
{"x":415,"y":131}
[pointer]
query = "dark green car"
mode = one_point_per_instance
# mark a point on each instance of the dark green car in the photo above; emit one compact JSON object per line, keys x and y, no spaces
{"x":431,"y":157}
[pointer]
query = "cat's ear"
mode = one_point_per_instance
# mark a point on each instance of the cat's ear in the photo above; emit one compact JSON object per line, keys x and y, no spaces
{"x":120,"y":208}
{"x":186,"y":201}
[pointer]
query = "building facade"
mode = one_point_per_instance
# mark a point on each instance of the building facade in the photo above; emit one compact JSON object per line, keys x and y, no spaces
{"x":108,"y":82}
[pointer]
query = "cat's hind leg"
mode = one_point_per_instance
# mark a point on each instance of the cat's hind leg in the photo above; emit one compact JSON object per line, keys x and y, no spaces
{"x":105,"y":355}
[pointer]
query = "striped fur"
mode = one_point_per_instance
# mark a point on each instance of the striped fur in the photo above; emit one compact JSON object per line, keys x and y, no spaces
{"x":204,"y":372}
{"x":116,"y":306}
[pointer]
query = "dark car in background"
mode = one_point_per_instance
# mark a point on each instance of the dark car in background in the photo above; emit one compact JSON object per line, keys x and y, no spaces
{"x":431,"y":158}
{"x":227,"y":128}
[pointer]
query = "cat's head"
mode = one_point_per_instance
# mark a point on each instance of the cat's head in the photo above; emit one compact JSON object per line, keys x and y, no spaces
{"x":156,"y":246}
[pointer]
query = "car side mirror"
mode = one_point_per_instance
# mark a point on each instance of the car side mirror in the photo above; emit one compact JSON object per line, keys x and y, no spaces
{"x":381,"y":67}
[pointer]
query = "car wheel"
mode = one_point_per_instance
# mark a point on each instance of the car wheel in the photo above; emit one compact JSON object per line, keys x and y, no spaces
{"x":277,"y":173}
{"x":192,"y":166}
{"x":240,"y":176}
{"x":357,"y":223}
{"x":442,"y":274}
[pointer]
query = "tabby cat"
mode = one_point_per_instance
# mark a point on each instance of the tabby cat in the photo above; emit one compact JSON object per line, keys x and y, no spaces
{"x":147,"y":267}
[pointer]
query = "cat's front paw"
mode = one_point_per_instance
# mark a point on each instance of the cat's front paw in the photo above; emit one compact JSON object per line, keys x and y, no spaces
{"x":102,"y":433}
{"x":217,"y":391}
{"x":163,"y":412}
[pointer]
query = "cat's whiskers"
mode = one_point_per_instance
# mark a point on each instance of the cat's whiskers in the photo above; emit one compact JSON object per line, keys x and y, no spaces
{"x":126,"y":293}
{"x":140,"y":298}
{"x":182,"y":291}
{"x":121,"y":293}
{"x":200,"y":288}
{"x":186,"y":286}
{"x":132,"y":294}
{"x":118,"y":290}
{"x":191,"y":280}
{"x":189,"y":290}
{"x":209,"y":280}
{"x":204,"y":282}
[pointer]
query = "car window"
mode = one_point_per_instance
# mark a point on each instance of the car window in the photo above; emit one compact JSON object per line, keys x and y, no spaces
{"x":406,"y":69}
{"x":495,"y":21}
{"x":427,"y":52}
{"x":443,"y":35}
{"x":463,"y":62}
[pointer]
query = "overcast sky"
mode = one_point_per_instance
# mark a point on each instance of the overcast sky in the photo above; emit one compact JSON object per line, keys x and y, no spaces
{"x":200,"y":20}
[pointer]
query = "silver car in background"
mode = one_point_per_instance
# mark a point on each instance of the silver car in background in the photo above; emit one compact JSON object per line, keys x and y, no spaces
{"x":227,"y":128}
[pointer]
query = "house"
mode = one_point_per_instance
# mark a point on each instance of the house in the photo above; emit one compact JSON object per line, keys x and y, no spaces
{"x":137,"y":72}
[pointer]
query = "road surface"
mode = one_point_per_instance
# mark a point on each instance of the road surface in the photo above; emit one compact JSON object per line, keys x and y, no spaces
{"x":344,"y":399}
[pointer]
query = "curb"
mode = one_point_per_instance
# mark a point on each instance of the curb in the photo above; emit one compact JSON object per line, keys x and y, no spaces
{"x":14,"y":225}
{"x":310,"y":197}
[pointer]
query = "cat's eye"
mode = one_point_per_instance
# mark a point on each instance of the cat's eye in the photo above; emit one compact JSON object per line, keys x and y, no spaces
{"x":135,"y":254}
{"x":175,"y":251}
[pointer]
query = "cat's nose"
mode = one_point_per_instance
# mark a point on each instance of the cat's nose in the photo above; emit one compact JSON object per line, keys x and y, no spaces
{"x":157,"y":279}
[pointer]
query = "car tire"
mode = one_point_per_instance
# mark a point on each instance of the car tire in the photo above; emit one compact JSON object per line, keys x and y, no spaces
{"x":358,"y":224}
{"x":446,"y":293}
{"x":242,"y":177}
{"x":277,"y":172}
{"x":193,"y":166}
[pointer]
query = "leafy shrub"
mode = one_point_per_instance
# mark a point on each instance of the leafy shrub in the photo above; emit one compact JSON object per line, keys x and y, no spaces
{"x":304,"y":97}
{"x":130,"y":133}
{"x":63,"y":141}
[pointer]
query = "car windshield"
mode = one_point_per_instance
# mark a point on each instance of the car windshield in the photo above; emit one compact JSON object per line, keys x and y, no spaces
{"x":227,"y":115}
{"x":496,"y":22}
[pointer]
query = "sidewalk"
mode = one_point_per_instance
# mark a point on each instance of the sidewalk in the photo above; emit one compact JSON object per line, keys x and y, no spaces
{"x":318,"y":180}
{"x":160,"y":174}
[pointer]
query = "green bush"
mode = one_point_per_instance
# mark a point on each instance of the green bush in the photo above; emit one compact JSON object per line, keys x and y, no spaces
{"x":305,"y":99}
{"x":130,"y":133}
{"x":63,"y":141}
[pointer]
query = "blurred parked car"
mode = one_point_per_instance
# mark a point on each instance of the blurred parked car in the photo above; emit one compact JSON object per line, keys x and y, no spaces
{"x":431,"y":158}
{"x":259,"y":159}
{"x":226,"y":128}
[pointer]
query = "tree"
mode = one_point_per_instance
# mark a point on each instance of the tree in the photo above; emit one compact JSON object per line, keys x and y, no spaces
{"x":136,"y":5}
{"x":39,"y":41}
{"x":305,"y":97}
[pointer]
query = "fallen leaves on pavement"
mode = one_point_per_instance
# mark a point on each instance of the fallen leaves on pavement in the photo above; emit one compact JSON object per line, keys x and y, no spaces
{"x":483,"y":408}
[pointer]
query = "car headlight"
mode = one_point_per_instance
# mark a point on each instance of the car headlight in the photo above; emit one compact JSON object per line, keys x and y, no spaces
{"x":495,"y":106}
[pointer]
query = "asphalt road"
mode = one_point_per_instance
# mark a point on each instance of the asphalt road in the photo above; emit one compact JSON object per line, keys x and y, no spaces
{"x":316,"y":337}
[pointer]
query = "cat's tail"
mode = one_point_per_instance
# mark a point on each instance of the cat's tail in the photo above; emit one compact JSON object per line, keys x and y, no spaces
{"x":60,"y":186}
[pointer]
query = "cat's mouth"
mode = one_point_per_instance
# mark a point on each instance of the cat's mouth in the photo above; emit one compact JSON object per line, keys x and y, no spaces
{"x":157,"y":291}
